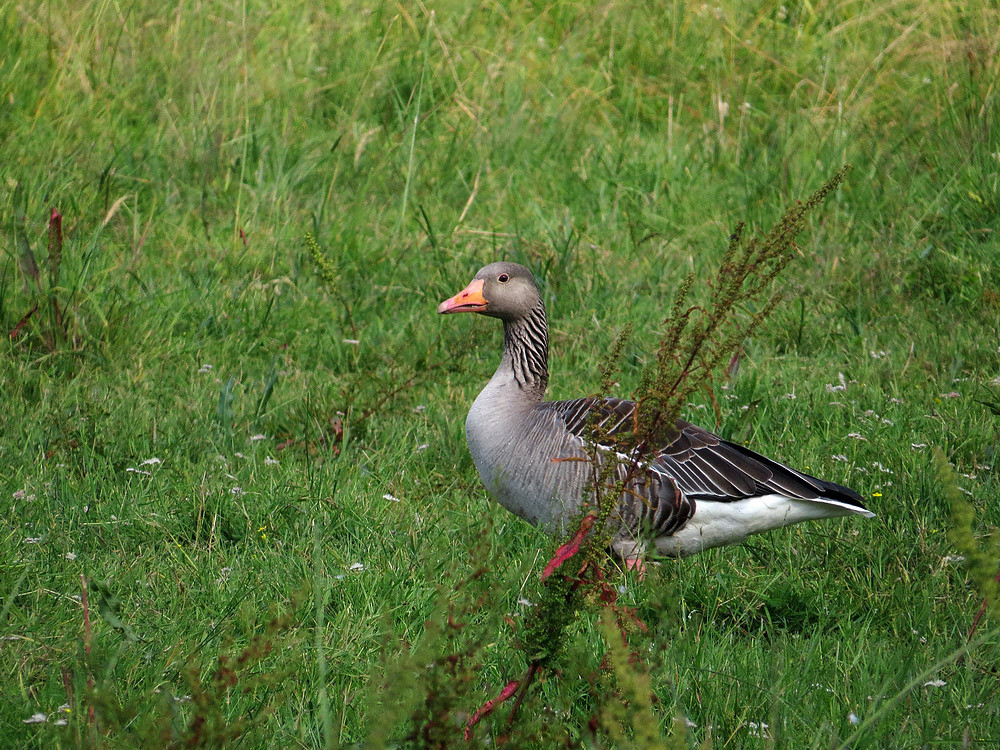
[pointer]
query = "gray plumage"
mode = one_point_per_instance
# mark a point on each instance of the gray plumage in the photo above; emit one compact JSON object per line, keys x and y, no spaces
{"x":693,"y":492}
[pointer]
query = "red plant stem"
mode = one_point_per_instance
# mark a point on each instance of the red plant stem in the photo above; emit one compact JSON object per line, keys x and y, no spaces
{"x":20,"y":324}
{"x":55,"y":260}
{"x":86,"y":642}
{"x":982,"y":611}
{"x":487,"y":708}
{"x":528,"y":679}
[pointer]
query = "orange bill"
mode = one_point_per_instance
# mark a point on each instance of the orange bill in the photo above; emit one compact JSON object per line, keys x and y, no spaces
{"x":470,"y":299}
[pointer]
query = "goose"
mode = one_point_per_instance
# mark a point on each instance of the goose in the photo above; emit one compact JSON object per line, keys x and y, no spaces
{"x":696,"y":491}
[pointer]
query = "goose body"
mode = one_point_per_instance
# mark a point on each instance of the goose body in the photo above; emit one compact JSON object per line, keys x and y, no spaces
{"x":693,"y":492}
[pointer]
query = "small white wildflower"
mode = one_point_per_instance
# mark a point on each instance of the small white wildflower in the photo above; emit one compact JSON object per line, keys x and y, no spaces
{"x":139,"y":471}
{"x":260,"y":436}
{"x":689,"y":724}
{"x":70,"y":555}
{"x":420,"y":408}
{"x":917,"y":446}
{"x":352,"y":342}
{"x":357,"y":567}
{"x":758,"y":730}
{"x":239,"y":455}
{"x":223,"y":575}
{"x":236,"y":491}
{"x":839,"y":457}
{"x":60,"y":722}
{"x":878,"y":465}
{"x":861,"y":470}
{"x":393,"y":498}
{"x":271,"y":461}
{"x":151,"y":461}
{"x":856,"y":436}
{"x":723,"y":109}
{"x":38,"y":718}
{"x":895,"y":400}
{"x":423,"y":447}
{"x":32,"y":539}
{"x":205,"y":367}
{"x":790,"y":396}
{"x":525,"y":603}
{"x":879,"y":354}
{"x":19,"y":495}
{"x":926,"y":80}
{"x":935,"y":683}
{"x":831,"y":388}
{"x":746,"y":106}
{"x":952,"y":558}
{"x":951,"y":394}
{"x":853,"y":718}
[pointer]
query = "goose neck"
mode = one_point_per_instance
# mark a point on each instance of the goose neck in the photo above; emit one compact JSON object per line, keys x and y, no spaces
{"x":526,"y":351}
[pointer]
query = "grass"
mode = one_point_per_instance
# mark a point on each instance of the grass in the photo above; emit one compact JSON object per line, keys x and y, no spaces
{"x":611,"y":148}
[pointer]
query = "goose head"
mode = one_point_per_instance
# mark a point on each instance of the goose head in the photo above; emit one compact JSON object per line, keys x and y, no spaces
{"x":500,"y":290}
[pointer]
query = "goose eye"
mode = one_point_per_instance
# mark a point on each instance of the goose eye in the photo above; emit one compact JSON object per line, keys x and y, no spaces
{"x":503,"y":278}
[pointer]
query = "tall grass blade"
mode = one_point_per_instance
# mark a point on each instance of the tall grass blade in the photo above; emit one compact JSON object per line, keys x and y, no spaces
{"x":25,"y":256}
{"x":272,"y":378}
{"x":224,"y":409}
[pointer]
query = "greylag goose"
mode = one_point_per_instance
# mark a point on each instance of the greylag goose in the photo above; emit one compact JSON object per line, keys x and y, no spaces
{"x":696,"y":492}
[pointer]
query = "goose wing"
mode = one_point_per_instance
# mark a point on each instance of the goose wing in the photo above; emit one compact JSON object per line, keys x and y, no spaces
{"x":699,"y":464}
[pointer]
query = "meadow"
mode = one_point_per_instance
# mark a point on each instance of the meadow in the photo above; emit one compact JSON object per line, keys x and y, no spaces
{"x":249,"y":457}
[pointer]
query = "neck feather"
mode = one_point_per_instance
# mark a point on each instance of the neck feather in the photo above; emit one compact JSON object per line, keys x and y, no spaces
{"x":526,"y":351}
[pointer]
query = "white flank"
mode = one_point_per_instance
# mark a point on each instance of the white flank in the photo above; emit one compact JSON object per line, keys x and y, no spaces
{"x":715,"y":524}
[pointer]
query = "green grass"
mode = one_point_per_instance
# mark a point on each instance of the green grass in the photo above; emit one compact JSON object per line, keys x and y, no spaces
{"x":611,"y":148}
